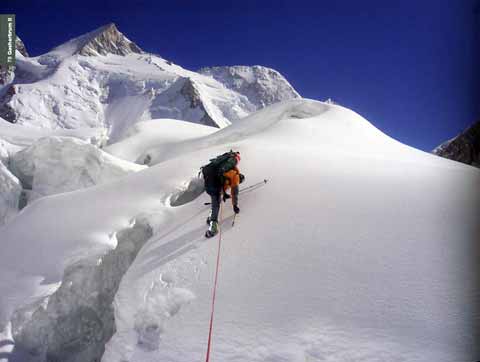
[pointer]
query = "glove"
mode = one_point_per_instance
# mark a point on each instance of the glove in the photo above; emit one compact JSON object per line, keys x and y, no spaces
{"x":236,"y":209}
{"x":226,"y":197}
{"x":242,"y":178}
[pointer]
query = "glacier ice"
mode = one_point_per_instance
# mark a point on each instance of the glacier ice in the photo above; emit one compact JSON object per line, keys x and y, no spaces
{"x":75,"y":322}
{"x":10,"y":191}
{"x":60,"y":164}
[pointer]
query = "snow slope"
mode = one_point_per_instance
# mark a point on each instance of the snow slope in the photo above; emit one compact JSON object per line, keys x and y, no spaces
{"x":164,"y":133}
{"x":354,"y":250}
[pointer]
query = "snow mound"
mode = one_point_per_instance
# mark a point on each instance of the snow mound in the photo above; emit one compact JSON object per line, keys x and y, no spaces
{"x":261,"y":85}
{"x":158,"y":132}
{"x":10,"y":191}
{"x":354,"y":249}
{"x":314,"y":122}
{"x":60,"y":164}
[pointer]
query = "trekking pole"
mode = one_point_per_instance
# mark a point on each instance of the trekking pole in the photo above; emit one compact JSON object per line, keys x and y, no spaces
{"x":258,"y":184}
{"x":233,"y":221}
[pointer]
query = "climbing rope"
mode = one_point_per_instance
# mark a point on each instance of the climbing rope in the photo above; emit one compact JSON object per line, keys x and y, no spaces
{"x":214,"y":287}
{"x":210,"y":331}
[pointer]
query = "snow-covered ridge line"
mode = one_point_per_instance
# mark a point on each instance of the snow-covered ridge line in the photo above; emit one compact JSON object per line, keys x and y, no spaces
{"x":261,"y":85}
{"x":102,"y":79}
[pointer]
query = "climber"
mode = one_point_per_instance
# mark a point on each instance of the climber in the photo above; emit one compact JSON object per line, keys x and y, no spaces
{"x":219,"y":175}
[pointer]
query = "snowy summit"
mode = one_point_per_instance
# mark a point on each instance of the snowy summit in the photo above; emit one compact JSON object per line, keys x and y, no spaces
{"x":102,"y":79}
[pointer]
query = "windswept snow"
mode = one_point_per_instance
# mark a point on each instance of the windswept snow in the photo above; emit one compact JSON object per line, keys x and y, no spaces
{"x":355,"y":249}
{"x":60,"y":164}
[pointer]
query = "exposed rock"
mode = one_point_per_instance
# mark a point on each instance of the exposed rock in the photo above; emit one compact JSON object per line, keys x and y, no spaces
{"x":261,"y":85}
{"x":21,"y":47}
{"x":105,"y":40}
{"x":7,"y":75}
{"x":463,"y":148}
{"x":185,"y":103}
{"x":6,"y":110}
{"x":191,"y":93}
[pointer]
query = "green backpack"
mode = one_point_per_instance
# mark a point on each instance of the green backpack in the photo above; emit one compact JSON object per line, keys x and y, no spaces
{"x":213,"y":171}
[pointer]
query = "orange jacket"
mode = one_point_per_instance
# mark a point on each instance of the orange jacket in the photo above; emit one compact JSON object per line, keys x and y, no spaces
{"x":232,"y":180}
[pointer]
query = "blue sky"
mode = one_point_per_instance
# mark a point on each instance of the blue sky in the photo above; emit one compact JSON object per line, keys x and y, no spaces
{"x":410,"y":67}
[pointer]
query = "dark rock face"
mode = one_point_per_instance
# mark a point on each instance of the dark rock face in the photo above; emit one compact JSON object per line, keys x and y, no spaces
{"x":7,"y":74}
{"x":6,"y":111}
{"x":21,"y":47}
{"x":108,"y":40}
{"x":464,"y":148}
{"x":4,"y":75}
{"x":191,"y":93}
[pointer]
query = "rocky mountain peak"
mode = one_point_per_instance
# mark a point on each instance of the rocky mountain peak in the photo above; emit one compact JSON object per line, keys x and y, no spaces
{"x":21,"y":47}
{"x":107,"y":40}
{"x":463,"y":148}
{"x":102,"y":41}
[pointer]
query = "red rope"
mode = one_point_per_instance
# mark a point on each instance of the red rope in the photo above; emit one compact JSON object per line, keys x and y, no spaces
{"x":214,"y":288}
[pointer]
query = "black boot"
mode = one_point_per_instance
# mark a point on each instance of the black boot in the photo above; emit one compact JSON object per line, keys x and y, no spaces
{"x":212,"y":230}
